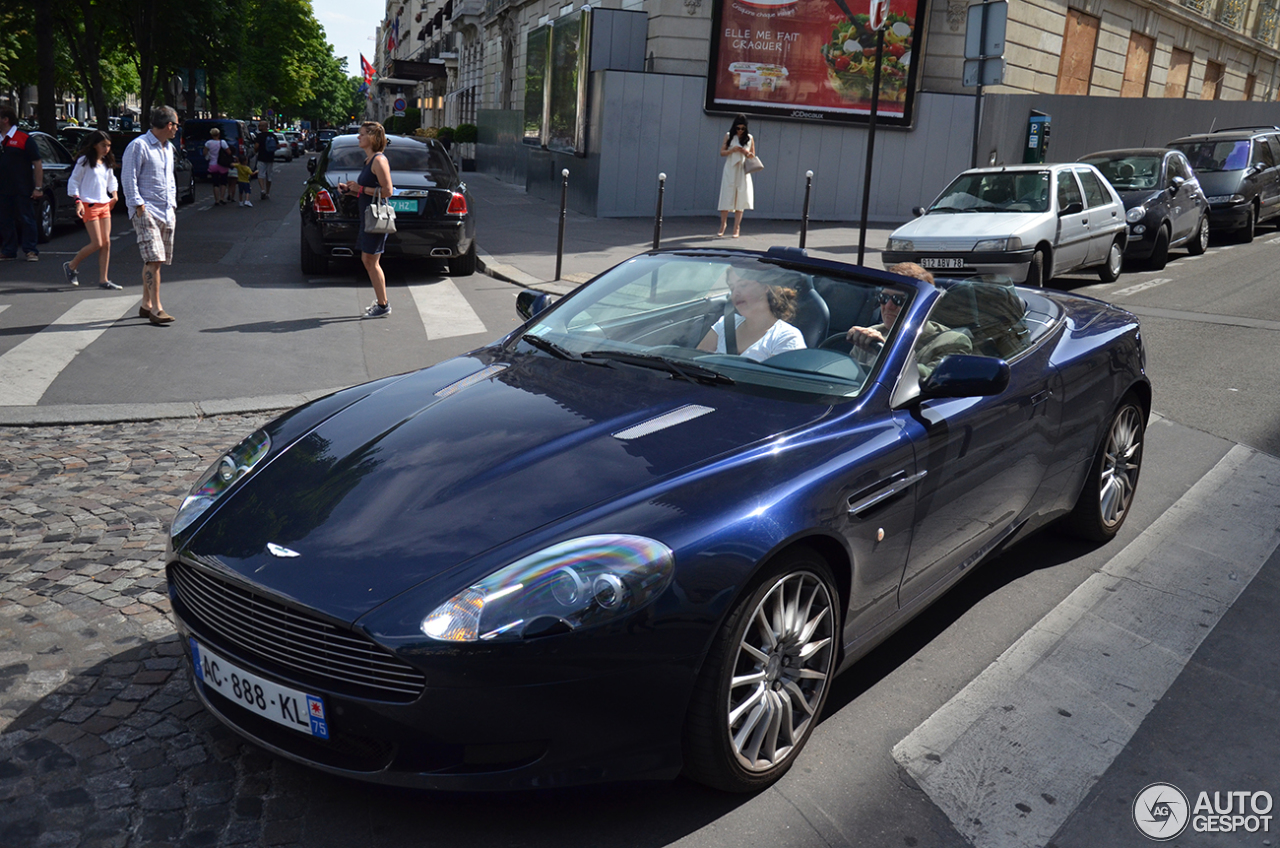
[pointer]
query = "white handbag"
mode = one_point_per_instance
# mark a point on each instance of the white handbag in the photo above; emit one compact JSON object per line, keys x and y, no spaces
{"x":752,"y":164}
{"x":379,"y":217}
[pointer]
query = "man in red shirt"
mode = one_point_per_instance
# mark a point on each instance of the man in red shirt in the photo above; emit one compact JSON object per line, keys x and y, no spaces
{"x":21,"y":184}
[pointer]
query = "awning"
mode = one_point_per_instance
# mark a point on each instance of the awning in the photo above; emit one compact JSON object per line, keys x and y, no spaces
{"x":407,"y":69}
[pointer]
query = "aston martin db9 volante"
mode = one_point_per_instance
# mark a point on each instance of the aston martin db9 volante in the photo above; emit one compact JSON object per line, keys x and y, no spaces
{"x":608,"y":546}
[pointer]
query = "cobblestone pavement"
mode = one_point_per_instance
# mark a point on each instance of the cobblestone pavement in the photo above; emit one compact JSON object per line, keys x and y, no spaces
{"x":102,"y":741}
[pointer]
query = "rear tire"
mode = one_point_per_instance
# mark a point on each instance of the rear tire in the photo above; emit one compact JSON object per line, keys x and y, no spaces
{"x":312,"y":262}
{"x":1160,"y":253}
{"x":1108,"y":491}
{"x":464,"y":265}
{"x":1200,"y":241}
{"x":1110,"y":272}
{"x":45,"y":216}
{"x":765,"y":680}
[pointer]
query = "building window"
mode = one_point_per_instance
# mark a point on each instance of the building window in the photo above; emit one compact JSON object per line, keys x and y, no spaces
{"x":1137,"y":66}
{"x":1179,"y":71}
{"x":1268,"y":17}
{"x":1232,"y":13}
{"x":1213,"y":74}
{"x":1078,"y":42}
{"x":1198,"y":5}
{"x":1250,"y":83}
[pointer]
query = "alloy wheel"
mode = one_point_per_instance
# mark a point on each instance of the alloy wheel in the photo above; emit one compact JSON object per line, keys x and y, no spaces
{"x":784,"y":663}
{"x":1120,"y":465}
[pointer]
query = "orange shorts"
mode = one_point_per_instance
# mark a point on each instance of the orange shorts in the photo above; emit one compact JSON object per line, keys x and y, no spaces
{"x":94,"y":211}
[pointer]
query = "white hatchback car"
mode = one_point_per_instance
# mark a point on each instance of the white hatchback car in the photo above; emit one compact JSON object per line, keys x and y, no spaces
{"x":1025,"y":222}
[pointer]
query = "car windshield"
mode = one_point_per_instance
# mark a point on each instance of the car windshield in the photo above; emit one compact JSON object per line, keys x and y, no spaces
{"x":1129,"y":172}
{"x":655,"y":311}
{"x":1209,"y":156}
{"x":409,"y":156}
{"x":1007,"y":191}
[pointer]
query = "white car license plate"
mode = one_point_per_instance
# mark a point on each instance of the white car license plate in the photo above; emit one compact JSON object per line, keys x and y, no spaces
{"x":290,"y":707}
{"x":403,"y":204}
{"x":939,"y":262}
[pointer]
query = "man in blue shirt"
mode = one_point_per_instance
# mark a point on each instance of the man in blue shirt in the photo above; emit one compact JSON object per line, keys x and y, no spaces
{"x":21,"y":184}
{"x":146,"y":176}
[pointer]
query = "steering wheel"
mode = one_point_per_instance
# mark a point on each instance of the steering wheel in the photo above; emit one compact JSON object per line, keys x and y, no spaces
{"x":840,"y":342}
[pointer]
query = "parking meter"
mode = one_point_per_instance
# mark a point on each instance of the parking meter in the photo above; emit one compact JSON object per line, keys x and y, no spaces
{"x":1036,"y":150}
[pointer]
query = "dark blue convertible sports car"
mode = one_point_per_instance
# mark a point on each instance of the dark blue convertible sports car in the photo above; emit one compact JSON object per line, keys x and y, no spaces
{"x":609,"y":546}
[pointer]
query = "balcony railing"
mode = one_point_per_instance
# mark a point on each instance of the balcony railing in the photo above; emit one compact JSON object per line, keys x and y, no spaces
{"x":1268,"y":18}
{"x":1231,"y":13}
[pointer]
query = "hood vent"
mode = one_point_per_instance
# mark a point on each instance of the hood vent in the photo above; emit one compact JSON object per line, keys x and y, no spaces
{"x":662,"y":422}
{"x":470,"y":380}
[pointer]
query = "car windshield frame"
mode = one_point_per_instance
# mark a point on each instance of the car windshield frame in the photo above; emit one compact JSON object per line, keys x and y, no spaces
{"x":1130,"y":171}
{"x":996,"y":191}
{"x":660,"y":306}
{"x":1209,"y":156}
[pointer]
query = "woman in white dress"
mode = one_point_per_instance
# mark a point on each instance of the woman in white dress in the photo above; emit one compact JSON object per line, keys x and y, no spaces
{"x":736,"y":194}
{"x":761,"y":326}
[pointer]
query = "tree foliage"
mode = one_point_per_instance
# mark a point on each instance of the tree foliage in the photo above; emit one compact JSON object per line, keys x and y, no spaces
{"x":232,"y":57}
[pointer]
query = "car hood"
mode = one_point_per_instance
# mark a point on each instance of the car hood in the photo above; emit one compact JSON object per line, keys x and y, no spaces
{"x":1218,"y":183}
{"x":975,"y":225}
{"x":428,"y":473}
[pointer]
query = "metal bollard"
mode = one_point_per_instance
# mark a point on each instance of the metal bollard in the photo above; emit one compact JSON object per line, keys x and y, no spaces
{"x":657,"y":215}
{"x":804,"y":219}
{"x":564,"y":199}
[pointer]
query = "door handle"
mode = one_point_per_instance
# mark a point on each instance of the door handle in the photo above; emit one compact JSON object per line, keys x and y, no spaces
{"x":862,"y":501}
{"x":1041,"y":397}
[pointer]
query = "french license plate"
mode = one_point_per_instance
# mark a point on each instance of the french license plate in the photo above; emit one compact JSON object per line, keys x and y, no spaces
{"x":403,"y":204}
{"x":290,"y":707}
{"x":940,"y":262}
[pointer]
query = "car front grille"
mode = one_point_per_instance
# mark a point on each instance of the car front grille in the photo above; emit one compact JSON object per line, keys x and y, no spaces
{"x":944,"y":245}
{"x":294,"y":643}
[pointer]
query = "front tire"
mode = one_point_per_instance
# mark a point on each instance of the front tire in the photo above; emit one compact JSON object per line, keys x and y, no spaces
{"x":44,"y":221}
{"x":1110,"y":272}
{"x":1035,"y":274}
{"x":1104,"y":503}
{"x":766,"y":677}
{"x":1245,"y":234}
{"x":1160,"y":253}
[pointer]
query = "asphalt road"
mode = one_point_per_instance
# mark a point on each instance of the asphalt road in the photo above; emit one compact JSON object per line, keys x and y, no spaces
{"x":102,"y":743}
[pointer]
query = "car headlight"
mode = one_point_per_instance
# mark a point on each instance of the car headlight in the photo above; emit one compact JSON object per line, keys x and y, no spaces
{"x":988,"y":245}
{"x":1136,"y":214}
{"x":220,"y":477}
{"x":901,"y":244}
{"x":571,"y":585}
{"x":1226,"y":198}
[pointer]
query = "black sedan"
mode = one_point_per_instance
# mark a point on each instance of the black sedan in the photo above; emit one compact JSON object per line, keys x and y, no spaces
{"x":433,"y":208}
{"x":609,"y":546}
{"x":55,"y":208}
{"x":1163,"y":201}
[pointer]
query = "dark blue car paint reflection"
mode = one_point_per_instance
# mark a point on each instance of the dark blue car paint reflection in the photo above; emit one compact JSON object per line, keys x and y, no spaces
{"x":401,"y":493}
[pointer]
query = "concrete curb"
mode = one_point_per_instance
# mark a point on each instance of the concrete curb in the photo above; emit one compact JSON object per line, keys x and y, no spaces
{"x":115,"y":413}
{"x":512,"y":274}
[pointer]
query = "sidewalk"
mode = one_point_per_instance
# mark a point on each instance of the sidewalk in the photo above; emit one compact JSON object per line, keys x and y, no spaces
{"x":517,"y":236}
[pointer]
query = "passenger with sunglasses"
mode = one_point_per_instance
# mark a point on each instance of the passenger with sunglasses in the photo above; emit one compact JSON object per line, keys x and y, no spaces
{"x":934,"y":341}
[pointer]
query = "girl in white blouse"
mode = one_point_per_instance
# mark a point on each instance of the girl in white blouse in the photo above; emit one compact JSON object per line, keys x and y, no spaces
{"x":93,"y":185}
{"x":760,"y":322}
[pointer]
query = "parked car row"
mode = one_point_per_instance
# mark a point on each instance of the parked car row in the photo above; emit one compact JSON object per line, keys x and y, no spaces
{"x":1032,"y":222}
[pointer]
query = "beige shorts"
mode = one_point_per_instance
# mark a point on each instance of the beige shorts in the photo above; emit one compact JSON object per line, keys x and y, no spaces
{"x":155,"y":238}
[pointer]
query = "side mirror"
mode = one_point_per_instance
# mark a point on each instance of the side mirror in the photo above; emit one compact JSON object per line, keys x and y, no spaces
{"x":964,"y":375}
{"x":311,"y":165}
{"x":917,"y":211}
{"x":1072,"y":209}
{"x":529,"y":303}
{"x":1177,"y":182}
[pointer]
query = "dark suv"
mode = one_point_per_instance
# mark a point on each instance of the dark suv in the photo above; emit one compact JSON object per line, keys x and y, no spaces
{"x":1239,"y":170}
{"x":195,"y":132}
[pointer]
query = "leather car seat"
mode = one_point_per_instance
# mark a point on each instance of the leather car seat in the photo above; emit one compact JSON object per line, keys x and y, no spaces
{"x":812,"y":318}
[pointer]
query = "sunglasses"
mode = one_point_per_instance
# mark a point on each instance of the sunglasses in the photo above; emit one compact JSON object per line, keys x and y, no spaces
{"x":895,"y":299}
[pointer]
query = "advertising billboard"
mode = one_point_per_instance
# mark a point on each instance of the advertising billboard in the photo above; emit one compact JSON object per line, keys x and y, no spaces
{"x":813,"y":59}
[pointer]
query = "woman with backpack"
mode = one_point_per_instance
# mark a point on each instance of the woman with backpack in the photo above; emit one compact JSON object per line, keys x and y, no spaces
{"x":218,"y":154}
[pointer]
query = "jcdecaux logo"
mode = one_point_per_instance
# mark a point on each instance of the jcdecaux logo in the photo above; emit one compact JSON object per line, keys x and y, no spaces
{"x":1162,"y":812}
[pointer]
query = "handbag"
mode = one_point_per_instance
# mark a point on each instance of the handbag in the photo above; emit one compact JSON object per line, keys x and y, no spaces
{"x":224,"y":156}
{"x":379,"y":217}
{"x":752,"y":164}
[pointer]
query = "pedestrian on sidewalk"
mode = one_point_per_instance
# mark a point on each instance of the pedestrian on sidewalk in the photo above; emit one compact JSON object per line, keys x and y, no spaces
{"x":93,"y":185}
{"x":152,"y":198}
{"x":244,"y":180}
{"x":267,"y":144}
{"x":21,"y":185}
{"x":375,"y":177}
{"x":218,"y":154}
{"x":736,"y":191}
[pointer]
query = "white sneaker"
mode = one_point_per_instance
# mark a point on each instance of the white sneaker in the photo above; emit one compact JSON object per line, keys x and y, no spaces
{"x":246,"y":203}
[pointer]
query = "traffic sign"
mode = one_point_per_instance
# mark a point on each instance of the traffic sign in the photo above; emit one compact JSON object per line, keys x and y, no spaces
{"x":988,"y":41}
{"x":992,"y":72}
{"x":399,"y":105}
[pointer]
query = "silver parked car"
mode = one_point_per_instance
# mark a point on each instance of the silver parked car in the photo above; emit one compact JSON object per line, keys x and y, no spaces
{"x":1026,"y":222}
